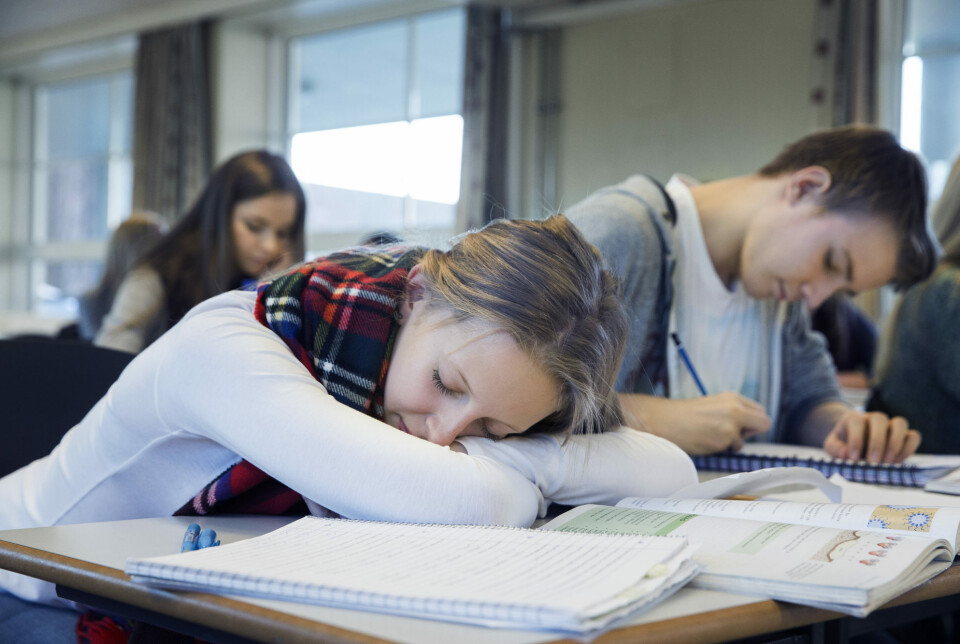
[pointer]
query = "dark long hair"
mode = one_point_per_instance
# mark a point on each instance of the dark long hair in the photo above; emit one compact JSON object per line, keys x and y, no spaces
{"x":197,"y":259}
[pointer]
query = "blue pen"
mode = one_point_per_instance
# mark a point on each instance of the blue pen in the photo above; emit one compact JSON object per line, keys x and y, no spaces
{"x":686,"y":361}
{"x":208,"y":539}
{"x":190,"y":538}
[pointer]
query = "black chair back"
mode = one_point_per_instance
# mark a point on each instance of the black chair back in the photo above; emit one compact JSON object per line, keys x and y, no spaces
{"x":46,"y":387}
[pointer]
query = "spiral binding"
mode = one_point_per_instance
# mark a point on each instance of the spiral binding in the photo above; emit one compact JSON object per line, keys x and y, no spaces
{"x":859,"y":471}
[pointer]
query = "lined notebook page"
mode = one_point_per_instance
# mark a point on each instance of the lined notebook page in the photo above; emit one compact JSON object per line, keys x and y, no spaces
{"x":498,"y":574}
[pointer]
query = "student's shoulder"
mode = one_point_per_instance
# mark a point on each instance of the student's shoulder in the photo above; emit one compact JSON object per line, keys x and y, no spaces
{"x":637,"y":197}
{"x":219,"y":327}
{"x":239,"y":304}
{"x":621,"y":217}
{"x":938,"y":299}
{"x":143,"y":278}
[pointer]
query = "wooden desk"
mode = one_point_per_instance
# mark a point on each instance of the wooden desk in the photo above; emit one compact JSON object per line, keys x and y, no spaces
{"x":86,"y":562}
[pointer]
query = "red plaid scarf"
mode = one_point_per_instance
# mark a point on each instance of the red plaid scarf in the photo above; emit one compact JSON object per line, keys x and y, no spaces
{"x":338,"y":316}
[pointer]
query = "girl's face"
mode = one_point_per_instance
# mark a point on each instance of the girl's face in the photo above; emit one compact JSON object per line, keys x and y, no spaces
{"x":263,"y":230}
{"x":448,"y":379}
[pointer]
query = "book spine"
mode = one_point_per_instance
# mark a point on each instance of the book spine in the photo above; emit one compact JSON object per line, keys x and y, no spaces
{"x":877,"y":473}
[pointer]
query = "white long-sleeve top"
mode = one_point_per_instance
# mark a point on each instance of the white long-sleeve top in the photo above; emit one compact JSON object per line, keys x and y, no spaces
{"x":220,"y":386}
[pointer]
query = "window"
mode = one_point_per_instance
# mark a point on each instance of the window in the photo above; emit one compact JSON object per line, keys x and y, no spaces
{"x":81,"y":183}
{"x":930,"y":95}
{"x":374,"y":127}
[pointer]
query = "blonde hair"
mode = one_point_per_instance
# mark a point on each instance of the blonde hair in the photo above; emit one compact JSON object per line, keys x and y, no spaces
{"x":544,"y":284}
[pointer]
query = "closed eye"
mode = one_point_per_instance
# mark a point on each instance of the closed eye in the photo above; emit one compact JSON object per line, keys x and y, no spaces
{"x":828,"y":262}
{"x":442,"y":388}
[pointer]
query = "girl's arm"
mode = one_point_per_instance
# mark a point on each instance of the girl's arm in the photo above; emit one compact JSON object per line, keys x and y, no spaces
{"x":602,"y":468}
{"x":226,"y":377}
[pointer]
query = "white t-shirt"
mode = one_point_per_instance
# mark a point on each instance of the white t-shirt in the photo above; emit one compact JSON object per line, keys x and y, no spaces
{"x":732,"y":339}
{"x":220,"y":386}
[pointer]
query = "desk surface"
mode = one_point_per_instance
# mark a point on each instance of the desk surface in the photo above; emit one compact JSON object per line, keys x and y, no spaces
{"x":90,"y":557}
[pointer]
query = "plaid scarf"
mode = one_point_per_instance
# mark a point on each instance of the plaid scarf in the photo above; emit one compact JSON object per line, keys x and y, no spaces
{"x":338,"y":316}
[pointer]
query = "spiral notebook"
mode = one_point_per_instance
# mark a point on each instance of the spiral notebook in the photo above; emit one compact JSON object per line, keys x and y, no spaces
{"x":916,"y":471}
{"x":489,"y":576}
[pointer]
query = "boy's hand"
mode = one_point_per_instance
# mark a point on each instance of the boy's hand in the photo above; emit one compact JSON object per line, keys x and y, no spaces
{"x":871,"y":436}
{"x":702,"y":425}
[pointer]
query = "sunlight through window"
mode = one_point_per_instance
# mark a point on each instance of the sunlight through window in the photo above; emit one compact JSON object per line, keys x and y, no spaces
{"x":418,"y":159}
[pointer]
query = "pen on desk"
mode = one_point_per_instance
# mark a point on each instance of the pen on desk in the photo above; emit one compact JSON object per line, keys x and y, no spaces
{"x":686,"y":361}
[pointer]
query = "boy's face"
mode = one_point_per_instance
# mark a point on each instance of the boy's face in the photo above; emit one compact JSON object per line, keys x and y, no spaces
{"x":798,"y":251}
{"x":812,"y":258}
{"x":448,"y":379}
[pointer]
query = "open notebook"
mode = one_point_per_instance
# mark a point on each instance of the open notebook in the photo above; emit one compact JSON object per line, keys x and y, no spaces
{"x":916,"y":471}
{"x":488,"y":576}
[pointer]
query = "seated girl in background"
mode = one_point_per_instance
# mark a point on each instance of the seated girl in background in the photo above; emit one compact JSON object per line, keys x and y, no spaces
{"x":918,"y":366}
{"x":134,"y":236}
{"x":247,"y":223}
{"x":339,"y":386}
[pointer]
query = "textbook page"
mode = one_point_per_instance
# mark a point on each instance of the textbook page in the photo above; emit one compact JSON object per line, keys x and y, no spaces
{"x":948,"y":484}
{"x":908,"y":520}
{"x":490,"y":576}
{"x":851,"y":571}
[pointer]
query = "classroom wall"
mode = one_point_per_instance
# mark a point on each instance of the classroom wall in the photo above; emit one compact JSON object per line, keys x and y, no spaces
{"x":241,"y":91}
{"x":711,"y":88}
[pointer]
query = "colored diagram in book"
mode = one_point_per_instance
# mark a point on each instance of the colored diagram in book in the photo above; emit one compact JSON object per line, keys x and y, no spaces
{"x":620,"y":520}
{"x":839,"y":544}
{"x":901,"y":517}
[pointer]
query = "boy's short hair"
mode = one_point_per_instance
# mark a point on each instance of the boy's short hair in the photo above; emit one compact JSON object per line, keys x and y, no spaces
{"x":871,"y":174}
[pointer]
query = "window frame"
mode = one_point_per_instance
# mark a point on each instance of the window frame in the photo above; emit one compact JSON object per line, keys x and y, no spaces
{"x":29,"y":251}
{"x":285,"y":68}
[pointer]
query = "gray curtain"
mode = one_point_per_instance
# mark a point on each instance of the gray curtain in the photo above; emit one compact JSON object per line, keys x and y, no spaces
{"x":172,"y":139}
{"x":482,"y":178}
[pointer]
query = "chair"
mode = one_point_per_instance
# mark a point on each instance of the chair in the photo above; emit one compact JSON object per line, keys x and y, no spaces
{"x":46,"y":387}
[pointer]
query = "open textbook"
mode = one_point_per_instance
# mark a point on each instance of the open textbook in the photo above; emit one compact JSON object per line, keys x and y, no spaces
{"x":843,"y":557}
{"x":488,"y":576}
{"x":916,"y":471}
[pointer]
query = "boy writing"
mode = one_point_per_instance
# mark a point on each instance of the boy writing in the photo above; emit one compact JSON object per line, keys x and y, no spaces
{"x":734,"y":266}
